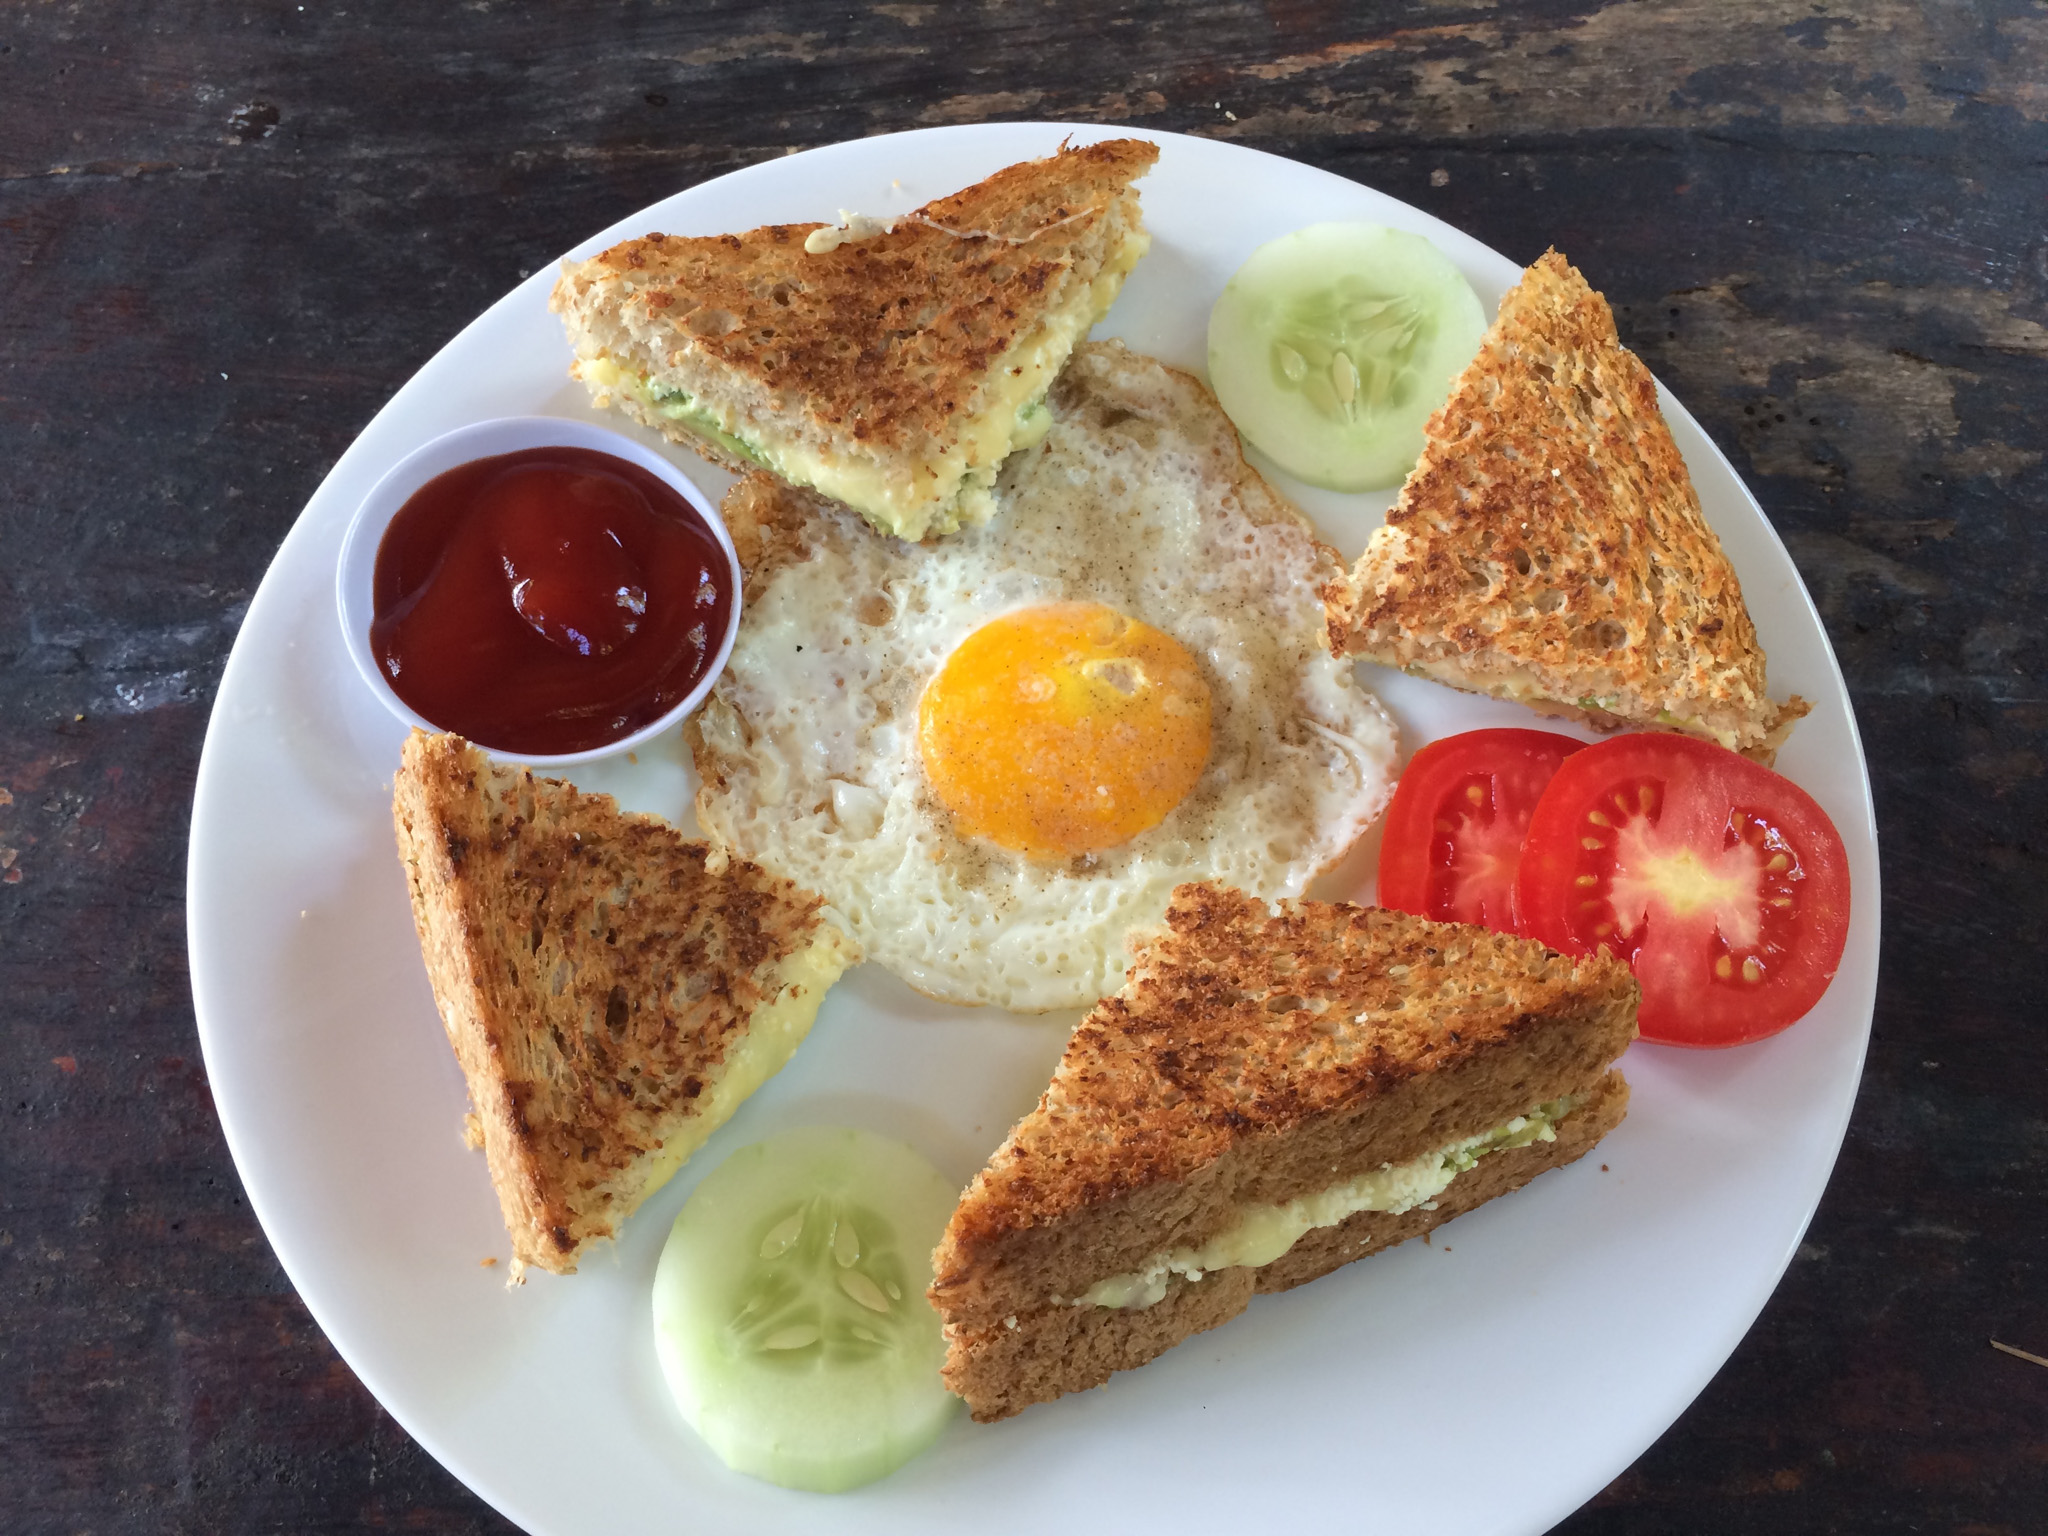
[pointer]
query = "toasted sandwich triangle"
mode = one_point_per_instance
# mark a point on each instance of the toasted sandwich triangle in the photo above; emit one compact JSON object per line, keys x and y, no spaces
{"x":611,"y":993}
{"x":1549,"y":546}
{"x":891,"y":368}
{"x":1258,"y":1057}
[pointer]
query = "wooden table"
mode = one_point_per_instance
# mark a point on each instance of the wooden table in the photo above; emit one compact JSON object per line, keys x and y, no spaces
{"x":229,"y":232}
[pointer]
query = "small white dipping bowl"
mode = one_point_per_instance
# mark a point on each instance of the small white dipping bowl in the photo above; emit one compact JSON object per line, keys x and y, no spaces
{"x":355,"y":579}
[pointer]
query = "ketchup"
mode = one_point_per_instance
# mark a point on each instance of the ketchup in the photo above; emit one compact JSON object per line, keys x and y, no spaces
{"x":546,"y":601}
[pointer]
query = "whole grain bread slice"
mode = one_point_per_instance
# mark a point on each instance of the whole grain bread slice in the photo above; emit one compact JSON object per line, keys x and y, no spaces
{"x":887,"y":367}
{"x":1256,"y":1057}
{"x":1549,"y":546}
{"x":1004,"y":1366}
{"x":611,"y":990}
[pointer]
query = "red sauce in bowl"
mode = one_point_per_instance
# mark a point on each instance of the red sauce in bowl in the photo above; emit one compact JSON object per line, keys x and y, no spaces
{"x":548,"y":601}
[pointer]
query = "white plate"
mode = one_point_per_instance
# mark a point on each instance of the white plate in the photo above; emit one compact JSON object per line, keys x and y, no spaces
{"x":1488,"y":1383}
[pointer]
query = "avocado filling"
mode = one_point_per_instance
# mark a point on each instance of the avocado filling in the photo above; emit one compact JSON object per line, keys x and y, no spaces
{"x":678,"y":407}
{"x":1263,"y":1233}
{"x":1034,"y":420}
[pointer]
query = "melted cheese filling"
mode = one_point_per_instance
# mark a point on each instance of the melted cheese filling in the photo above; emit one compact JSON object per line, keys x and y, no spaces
{"x":1263,"y":1233}
{"x":941,"y":494}
{"x":771,"y":1037}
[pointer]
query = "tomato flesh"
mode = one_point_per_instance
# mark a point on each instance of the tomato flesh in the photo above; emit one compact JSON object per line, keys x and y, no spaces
{"x":1723,"y":884}
{"x":1454,"y":830}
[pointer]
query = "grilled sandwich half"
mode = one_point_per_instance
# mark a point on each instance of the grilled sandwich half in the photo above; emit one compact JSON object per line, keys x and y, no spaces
{"x":1274,"y":1093}
{"x":612,"y":993}
{"x":1549,"y":548}
{"x":890,"y":367}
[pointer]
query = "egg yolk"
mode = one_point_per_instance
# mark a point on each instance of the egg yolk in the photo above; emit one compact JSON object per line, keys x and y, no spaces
{"x":1064,"y":729}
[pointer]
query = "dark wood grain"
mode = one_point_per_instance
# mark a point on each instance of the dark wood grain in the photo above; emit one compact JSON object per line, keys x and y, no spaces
{"x":229,"y":231}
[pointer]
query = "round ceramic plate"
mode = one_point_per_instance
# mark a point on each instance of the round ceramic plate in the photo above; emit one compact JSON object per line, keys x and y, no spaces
{"x":1488,"y":1382}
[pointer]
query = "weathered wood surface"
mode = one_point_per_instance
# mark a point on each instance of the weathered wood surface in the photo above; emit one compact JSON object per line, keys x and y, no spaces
{"x":229,"y":231}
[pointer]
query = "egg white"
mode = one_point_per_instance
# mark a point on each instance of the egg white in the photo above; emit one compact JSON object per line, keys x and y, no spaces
{"x":1137,"y":498}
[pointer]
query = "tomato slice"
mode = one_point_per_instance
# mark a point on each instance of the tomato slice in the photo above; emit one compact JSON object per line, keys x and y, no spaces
{"x":1454,"y":830}
{"x":1722,"y":883}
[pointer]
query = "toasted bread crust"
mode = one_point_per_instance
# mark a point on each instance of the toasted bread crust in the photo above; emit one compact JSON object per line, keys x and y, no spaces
{"x":998,"y":1369}
{"x":1254,"y":1058}
{"x":592,"y":971}
{"x":1550,"y":539}
{"x":877,"y":349}
{"x":1043,"y":1352}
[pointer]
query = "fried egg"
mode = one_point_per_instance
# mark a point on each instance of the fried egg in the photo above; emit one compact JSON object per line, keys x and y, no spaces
{"x":996,"y":754}
{"x":1064,"y":729}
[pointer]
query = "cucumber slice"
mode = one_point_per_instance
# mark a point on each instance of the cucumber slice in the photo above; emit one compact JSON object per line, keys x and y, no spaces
{"x":790,"y":1314}
{"x":1331,"y":347}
